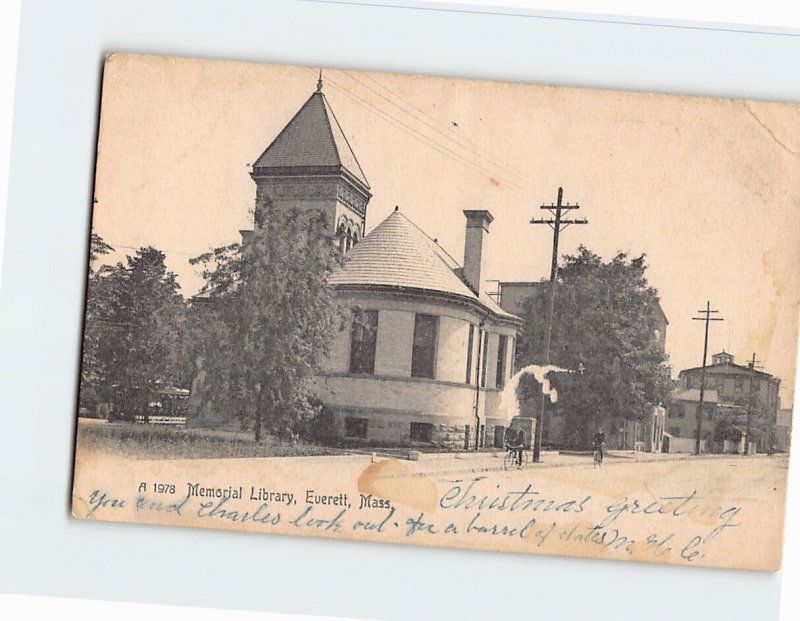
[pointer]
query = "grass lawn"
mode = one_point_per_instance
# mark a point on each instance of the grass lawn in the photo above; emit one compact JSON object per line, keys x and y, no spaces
{"x":165,"y":442}
{"x":171,"y":442}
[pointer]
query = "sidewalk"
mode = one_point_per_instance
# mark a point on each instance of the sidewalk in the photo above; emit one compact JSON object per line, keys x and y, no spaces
{"x":447,"y":464}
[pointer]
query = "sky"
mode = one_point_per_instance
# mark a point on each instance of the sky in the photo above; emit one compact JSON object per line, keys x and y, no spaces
{"x":707,"y":188}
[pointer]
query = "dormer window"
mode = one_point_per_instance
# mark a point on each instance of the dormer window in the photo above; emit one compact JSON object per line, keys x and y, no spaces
{"x":722,"y":358}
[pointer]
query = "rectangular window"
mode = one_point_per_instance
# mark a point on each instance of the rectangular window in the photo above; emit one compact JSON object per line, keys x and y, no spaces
{"x":738,"y":386}
{"x":499,"y":434}
{"x":355,"y":427}
{"x":470,"y":343}
{"x":484,"y":358}
{"x":362,"y":342}
{"x":423,"y":353}
{"x":421,"y":432}
{"x":502,"y":346}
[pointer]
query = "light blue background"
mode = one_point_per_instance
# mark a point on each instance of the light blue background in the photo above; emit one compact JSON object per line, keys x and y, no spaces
{"x":44,"y":551}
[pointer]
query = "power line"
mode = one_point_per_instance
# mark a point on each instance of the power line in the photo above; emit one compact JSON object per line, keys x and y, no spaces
{"x":450,"y":129}
{"x":426,"y":140}
{"x":418,"y":135}
{"x":450,"y":136}
{"x":115,"y":245}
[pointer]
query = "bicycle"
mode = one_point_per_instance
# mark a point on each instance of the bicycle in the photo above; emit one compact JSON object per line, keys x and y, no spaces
{"x":511,"y":458}
{"x":598,"y":458}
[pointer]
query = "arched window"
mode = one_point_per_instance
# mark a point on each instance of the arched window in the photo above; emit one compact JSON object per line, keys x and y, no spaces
{"x":348,"y":234}
{"x":341,"y":235}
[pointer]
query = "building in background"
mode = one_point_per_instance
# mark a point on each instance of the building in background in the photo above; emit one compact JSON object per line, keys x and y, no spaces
{"x":681,"y":423}
{"x":783,"y":430}
{"x":683,"y":409}
{"x":737,"y":387}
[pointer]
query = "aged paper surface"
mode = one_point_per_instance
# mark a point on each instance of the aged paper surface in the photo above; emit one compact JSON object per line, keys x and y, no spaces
{"x":283,"y":335}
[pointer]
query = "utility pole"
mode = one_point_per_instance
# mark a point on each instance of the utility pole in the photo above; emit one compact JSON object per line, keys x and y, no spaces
{"x":707,"y":318}
{"x":558,"y":224}
{"x":752,"y":366}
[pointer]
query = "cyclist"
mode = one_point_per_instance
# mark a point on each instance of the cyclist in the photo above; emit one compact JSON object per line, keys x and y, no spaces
{"x":512,"y":442}
{"x":599,"y":442}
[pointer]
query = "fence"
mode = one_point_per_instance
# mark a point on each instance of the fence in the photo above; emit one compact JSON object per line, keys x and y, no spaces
{"x":161,"y":420}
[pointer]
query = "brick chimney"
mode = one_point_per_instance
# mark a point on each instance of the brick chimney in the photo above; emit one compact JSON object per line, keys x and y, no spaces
{"x":478,"y":221}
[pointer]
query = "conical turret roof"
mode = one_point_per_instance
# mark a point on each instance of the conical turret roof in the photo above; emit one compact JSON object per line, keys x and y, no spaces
{"x":313,"y":139}
{"x":398,"y":254}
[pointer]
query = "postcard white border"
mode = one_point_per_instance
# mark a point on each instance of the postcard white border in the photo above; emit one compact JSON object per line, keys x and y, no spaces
{"x":56,"y":100}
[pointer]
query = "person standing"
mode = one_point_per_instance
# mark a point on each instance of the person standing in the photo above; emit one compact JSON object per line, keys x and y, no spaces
{"x":521,"y":441}
{"x":599,"y":442}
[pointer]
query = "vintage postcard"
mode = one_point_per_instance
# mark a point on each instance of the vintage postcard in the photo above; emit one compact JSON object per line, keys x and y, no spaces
{"x":440,"y":312}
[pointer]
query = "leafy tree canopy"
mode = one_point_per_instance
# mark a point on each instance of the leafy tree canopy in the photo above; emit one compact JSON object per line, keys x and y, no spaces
{"x":97,"y":248}
{"x":134,"y":326}
{"x":266,"y":319}
{"x":604,"y":324}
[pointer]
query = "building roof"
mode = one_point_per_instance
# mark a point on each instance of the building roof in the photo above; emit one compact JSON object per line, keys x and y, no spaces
{"x":729,"y":369}
{"x":397,"y":254}
{"x":312,"y":139}
{"x":693,"y":394}
{"x":540,"y":286}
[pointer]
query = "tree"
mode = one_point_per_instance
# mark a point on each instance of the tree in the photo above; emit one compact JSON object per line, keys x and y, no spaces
{"x":133,"y":331}
{"x":605,"y":325}
{"x":97,"y":248}
{"x":96,"y":305}
{"x":269,"y":317}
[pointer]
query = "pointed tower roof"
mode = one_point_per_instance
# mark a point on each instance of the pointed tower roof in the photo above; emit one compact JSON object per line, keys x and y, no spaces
{"x":397,"y":254}
{"x":314,"y":141}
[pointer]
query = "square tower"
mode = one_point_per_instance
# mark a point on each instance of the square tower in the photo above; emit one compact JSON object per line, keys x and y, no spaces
{"x":310,"y":165}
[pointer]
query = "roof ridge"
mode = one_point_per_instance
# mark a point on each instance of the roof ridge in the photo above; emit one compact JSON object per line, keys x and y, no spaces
{"x":431,"y":239}
{"x":329,"y":108}
{"x":732,"y":365}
